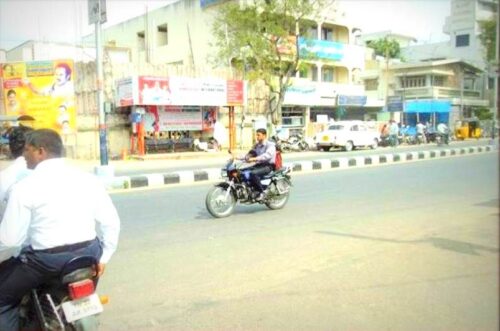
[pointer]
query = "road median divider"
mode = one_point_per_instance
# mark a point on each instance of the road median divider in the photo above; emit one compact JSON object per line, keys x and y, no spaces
{"x":214,"y":174}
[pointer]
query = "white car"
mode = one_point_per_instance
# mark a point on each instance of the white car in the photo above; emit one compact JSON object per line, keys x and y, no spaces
{"x":348,"y":135}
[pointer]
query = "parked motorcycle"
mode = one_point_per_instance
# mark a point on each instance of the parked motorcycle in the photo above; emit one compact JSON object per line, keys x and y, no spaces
{"x":295,"y":143}
{"x":442,"y":139}
{"x":222,"y":198}
{"x":69,"y":302}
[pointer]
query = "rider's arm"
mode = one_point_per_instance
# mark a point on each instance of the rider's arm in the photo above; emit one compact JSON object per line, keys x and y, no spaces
{"x":108,"y":223}
{"x":16,"y":220}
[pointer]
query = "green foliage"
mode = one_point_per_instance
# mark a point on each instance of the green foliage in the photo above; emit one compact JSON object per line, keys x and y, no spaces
{"x":386,"y":47}
{"x":260,"y":39}
{"x":488,"y":38}
{"x":483,"y":113}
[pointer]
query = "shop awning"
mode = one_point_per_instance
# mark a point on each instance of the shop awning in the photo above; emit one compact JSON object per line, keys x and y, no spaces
{"x":428,"y":106}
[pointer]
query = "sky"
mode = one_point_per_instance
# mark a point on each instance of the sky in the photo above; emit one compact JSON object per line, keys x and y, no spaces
{"x":67,"y":20}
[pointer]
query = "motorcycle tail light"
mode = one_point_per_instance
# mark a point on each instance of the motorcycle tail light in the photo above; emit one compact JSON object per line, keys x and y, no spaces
{"x":81,"y":289}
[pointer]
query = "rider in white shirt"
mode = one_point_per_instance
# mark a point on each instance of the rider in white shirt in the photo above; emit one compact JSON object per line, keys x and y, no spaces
{"x":58,"y":213}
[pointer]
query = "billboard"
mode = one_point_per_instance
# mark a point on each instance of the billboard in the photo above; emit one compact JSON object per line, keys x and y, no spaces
{"x":43,"y":90}
{"x":179,"y":91}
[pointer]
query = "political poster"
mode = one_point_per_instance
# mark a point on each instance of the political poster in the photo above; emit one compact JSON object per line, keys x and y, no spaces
{"x":42,"y":90}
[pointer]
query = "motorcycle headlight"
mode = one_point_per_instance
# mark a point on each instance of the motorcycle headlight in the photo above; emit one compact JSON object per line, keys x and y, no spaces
{"x":223,"y":173}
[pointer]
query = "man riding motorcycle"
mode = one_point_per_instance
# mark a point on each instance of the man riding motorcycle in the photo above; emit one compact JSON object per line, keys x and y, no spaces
{"x":443,"y":131}
{"x":263,"y":154}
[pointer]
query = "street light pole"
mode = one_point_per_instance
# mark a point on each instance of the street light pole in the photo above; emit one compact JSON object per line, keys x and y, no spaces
{"x":100,"y":91}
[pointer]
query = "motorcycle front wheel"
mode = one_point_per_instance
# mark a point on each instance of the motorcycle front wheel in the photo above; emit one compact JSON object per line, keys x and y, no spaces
{"x":276,"y":200}
{"x":219,"y":202}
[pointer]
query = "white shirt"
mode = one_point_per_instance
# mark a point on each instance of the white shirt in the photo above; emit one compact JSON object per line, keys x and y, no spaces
{"x":58,"y":205}
{"x":442,"y":128}
{"x":11,"y":175}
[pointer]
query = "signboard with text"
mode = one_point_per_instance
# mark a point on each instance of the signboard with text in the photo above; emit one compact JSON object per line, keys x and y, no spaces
{"x":179,"y":91}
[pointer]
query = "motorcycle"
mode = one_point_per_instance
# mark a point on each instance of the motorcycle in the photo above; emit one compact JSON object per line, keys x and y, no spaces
{"x":69,"y":302}
{"x":295,"y":143}
{"x":222,"y":198}
{"x":442,"y":139}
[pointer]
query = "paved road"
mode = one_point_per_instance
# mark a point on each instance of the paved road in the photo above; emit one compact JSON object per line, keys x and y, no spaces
{"x":165,"y":166}
{"x":401,"y":247}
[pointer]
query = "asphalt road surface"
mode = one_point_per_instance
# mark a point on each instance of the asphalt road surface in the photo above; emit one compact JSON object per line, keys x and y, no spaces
{"x":166,"y":166}
{"x":409,"y":246}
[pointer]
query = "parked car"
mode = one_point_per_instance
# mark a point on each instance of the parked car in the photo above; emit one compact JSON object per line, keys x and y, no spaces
{"x":348,"y":135}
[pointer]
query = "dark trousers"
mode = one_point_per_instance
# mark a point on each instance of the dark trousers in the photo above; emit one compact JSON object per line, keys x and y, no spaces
{"x":257,"y":172}
{"x":18,"y":276}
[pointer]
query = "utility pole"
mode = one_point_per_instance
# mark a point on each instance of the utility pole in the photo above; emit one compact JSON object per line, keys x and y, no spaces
{"x":97,"y":15}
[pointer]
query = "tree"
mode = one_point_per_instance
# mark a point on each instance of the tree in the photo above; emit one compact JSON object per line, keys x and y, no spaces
{"x":388,"y":48}
{"x":488,"y":38}
{"x":262,"y":38}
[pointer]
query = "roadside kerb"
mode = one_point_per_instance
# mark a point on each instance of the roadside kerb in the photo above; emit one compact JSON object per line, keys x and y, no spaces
{"x":214,"y":174}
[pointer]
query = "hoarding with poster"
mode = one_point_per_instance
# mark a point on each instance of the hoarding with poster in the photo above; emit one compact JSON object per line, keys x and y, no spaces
{"x":43,"y":90}
{"x":179,"y":91}
{"x":173,"y":118}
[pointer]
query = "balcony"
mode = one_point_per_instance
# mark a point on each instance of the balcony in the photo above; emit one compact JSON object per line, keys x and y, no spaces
{"x":435,"y":92}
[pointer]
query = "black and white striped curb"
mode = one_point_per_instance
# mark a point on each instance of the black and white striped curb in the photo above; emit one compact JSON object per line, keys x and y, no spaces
{"x":214,"y":174}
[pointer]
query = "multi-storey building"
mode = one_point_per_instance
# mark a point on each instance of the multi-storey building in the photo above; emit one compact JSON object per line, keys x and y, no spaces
{"x":180,"y":34}
{"x":464,"y":28}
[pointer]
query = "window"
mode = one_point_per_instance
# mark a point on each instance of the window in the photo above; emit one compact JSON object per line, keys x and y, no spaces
{"x":141,"y":40}
{"x":292,"y":116}
{"x":438,"y":81}
{"x":162,"y":35}
{"x":462,"y":40}
{"x":326,"y":34}
{"x":491,"y":83}
{"x":371,"y":84}
{"x":310,"y":32}
{"x":413,"y":81}
{"x":327,"y":74}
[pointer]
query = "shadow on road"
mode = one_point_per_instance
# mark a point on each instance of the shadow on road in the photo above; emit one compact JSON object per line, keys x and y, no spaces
{"x":438,"y":242}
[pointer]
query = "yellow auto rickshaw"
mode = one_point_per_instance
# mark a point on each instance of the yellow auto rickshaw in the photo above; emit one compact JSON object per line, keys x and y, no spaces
{"x":468,"y":128}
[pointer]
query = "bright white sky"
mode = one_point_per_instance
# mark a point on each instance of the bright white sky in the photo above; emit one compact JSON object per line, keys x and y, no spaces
{"x":66,"y":20}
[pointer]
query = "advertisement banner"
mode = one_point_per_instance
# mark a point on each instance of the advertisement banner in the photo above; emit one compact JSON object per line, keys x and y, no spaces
{"x":43,"y":90}
{"x":180,"y":118}
{"x":235,"y":92}
{"x":179,"y":91}
{"x":125,"y":92}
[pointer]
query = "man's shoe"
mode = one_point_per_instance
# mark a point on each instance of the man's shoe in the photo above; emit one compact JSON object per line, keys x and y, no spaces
{"x":260,"y":197}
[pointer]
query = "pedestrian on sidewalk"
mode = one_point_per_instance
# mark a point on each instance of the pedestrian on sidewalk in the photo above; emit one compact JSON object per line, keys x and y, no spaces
{"x":393,"y":133}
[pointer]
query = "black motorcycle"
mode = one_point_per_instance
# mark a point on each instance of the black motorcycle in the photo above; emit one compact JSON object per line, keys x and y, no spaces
{"x":69,"y":302}
{"x":222,"y":198}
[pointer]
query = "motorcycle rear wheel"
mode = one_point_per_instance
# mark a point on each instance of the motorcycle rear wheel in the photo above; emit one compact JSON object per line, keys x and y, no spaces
{"x":89,"y":323}
{"x":218,"y":205}
{"x":275,"y":199}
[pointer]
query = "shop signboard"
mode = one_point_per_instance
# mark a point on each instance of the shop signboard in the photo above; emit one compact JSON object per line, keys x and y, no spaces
{"x":321,"y":49}
{"x":394,"y":103}
{"x":43,"y":90}
{"x":352,"y":100}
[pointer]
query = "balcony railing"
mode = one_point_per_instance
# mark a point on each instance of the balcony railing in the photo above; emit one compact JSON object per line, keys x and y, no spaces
{"x":438,"y":92}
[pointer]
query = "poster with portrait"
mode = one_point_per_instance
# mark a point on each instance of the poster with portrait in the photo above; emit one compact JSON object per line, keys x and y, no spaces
{"x":43,"y":90}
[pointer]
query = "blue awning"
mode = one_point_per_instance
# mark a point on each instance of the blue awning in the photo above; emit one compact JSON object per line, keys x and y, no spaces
{"x":428,"y":106}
